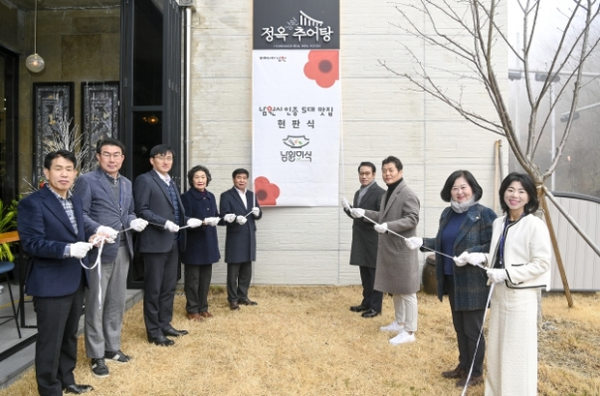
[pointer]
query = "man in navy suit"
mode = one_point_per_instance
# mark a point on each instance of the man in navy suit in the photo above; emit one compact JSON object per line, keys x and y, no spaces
{"x":51,"y":229}
{"x":157,"y":201}
{"x":240,"y":210}
{"x":107,"y":207}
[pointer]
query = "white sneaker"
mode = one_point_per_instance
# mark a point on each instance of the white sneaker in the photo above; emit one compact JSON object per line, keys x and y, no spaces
{"x":403,"y":338}
{"x":394,"y":327}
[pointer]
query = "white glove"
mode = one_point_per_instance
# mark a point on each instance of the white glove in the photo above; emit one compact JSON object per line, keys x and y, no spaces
{"x":255,"y":211}
{"x":357,"y":213}
{"x":496,"y":275}
{"x":381,"y":228}
{"x":80,"y":249}
{"x":138,"y":225}
{"x":345,"y":204}
{"x":212,"y":221}
{"x":230,"y":218}
{"x":414,"y":242}
{"x":171,"y":227}
{"x":241,"y":220}
{"x":111,"y":233}
{"x":476,"y":258}
{"x":461,"y":260}
{"x":194,"y":223}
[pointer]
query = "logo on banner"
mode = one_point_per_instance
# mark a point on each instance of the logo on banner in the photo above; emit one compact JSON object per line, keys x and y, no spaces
{"x":307,"y":28}
{"x":296,"y":142}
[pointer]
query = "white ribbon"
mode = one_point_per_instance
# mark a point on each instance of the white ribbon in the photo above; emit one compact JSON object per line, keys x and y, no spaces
{"x":487,"y":304}
{"x":97,"y":263}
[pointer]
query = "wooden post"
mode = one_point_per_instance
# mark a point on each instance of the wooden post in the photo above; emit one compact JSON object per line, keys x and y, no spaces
{"x":559,"y":262}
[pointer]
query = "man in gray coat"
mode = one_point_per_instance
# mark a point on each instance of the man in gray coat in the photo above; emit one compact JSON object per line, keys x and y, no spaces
{"x":397,"y":265}
{"x":107,"y":207}
{"x":364,"y":240}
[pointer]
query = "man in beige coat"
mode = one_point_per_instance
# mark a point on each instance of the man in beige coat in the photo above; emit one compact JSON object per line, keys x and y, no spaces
{"x":397,"y":266}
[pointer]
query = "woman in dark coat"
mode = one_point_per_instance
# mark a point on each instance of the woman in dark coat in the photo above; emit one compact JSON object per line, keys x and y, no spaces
{"x":465,"y":226}
{"x":202,"y":244}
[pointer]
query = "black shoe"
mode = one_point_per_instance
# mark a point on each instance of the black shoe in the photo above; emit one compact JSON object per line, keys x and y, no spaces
{"x":247,"y":301}
{"x":161,"y":340}
{"x":174,"y":333}
{"x":117,"y":356}
{"x":234,"y":306}
{"x":99,"y":368}
{"x":371,"y":313}
{"x":78,"y":389}
{"x":359,"y":308}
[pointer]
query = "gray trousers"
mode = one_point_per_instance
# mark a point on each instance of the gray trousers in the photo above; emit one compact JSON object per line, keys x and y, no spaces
{"x":239,"y":276}
{"x":104,"y":320}
{"x":197,"y":285}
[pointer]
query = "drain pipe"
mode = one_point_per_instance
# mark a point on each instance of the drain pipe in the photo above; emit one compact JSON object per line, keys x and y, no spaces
{"x":188,"y":75}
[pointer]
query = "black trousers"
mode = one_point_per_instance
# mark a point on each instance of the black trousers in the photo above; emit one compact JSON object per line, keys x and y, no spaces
{"x":467,"y":325}
{"x":160,"y":280}
{"x":56,"y":346}
{"x":197,"y":284}
{"x":238,"y":280}
{"x":371,"y":298}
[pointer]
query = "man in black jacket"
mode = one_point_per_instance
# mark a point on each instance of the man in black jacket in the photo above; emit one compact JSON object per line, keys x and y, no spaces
{"x":364,"y":240}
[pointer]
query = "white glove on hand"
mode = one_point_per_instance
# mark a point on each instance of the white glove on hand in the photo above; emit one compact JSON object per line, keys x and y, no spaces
{"x":80,"y":249}
{"x":414,"y":242}
{"x":241,"y":220}
{"x":461,"y":260}
{"x":357,"y":213}
{"x":381,"y":228}
{"x":171,"y":227}
{"x":255,"y":211}
{"x":496,"y":275}
{"x":138,"y":225}
{"x":476,"y":258}
{"x":345,"y":204}
{"x":212,"y":221}
{"x":230,"y":218}
{"x":111,"y":233}
{"x":194,"y":223}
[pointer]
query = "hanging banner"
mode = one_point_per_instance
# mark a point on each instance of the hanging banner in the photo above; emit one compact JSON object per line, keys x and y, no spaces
{"x":296,"y":102}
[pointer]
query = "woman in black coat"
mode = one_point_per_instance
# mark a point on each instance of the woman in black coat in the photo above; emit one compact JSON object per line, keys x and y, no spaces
{"x":202,"y":249}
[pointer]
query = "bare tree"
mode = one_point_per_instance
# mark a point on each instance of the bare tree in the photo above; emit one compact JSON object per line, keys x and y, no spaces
{"x":474,"y":34}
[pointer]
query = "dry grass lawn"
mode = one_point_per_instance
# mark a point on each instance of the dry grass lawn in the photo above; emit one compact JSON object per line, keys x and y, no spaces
{"x":305,"y":341}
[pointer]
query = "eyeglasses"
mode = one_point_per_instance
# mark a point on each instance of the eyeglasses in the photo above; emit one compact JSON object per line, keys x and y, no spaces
{"x":111,"y":155}
{"x":162,"y":157}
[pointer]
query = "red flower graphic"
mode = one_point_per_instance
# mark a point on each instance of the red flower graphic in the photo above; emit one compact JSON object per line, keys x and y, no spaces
{"x":266,"y":192}
{"x":323,"y":67}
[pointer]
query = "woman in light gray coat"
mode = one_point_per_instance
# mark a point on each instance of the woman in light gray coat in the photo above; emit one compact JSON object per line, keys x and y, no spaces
{"x":397,"y":266}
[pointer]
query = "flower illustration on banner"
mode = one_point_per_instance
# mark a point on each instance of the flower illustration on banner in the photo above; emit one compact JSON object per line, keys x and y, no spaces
{"x":266,"y":192}
{"x":323,"y":67}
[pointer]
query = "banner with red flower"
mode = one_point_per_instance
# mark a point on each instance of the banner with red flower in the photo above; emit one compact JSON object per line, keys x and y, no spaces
{"x":296,"y":102}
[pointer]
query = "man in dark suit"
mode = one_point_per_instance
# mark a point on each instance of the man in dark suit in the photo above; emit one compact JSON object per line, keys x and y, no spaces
{"x":51,"y":229}
{"x":107,"y":207}
{"x":157,"y":201}
{"x":240,"y":210}
{"x":364,"y":240}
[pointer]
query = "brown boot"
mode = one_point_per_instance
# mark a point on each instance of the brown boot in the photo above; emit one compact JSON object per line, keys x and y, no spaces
{"x":456,"y":373}
{"x":195,"y":317}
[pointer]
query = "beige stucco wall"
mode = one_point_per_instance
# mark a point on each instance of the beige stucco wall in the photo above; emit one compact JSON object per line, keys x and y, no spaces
{"x":381,"y":116}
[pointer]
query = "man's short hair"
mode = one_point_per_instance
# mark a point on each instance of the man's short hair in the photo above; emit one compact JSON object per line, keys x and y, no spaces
{"x":69,"y":156}
{"x":161,"y":149}
{"x":391,"y":159}
{"x":239,"y":171}
{"x":109,"y":142}
{"x":367,"y":163}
